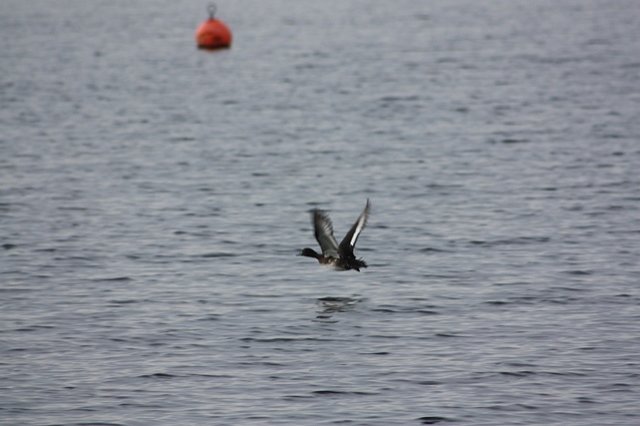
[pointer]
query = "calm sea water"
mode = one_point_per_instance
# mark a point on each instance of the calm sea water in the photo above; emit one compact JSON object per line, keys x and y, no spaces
{"x":153,"y":198}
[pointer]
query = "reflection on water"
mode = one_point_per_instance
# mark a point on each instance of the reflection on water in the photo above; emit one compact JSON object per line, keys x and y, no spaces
{"x":327,"y":306}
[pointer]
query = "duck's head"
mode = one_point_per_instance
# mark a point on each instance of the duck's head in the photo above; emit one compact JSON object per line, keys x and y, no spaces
{"x":309,"y":252}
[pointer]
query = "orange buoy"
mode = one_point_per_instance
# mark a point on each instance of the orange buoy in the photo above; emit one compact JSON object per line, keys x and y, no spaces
{"x":213,"y":33}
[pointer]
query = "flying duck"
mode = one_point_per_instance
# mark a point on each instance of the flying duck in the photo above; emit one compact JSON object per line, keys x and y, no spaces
{"x":341,"y":256}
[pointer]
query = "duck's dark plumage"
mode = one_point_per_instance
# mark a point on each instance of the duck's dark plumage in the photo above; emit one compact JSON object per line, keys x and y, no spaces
{"x":338,"y":255}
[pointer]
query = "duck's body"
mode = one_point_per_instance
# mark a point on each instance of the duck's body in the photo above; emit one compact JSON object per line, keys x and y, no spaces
{"x":340,"y":256}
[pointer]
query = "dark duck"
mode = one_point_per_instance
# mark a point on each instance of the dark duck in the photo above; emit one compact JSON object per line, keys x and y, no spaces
{"x":340,"y":256}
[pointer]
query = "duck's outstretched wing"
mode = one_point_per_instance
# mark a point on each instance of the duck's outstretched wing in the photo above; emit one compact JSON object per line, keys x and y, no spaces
{"x":349,"y":241}
{"x":323,"y":230}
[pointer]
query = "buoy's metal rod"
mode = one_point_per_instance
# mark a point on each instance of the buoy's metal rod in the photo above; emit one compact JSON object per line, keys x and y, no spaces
{"x":212,"y":10}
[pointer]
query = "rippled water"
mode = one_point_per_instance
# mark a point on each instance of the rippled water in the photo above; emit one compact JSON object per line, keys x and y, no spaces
{"x":153,"y":198}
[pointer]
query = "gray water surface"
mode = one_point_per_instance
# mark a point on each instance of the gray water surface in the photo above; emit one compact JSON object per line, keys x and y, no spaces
{"x":153,"y":198}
